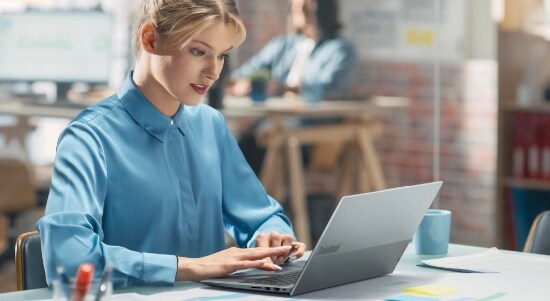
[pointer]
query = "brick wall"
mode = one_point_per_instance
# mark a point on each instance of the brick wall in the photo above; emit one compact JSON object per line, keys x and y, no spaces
{"x":468,"y":139}
{"x":468,"y":124}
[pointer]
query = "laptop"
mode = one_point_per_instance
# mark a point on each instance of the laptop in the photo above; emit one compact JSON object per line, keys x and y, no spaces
{"x":365,"y":238}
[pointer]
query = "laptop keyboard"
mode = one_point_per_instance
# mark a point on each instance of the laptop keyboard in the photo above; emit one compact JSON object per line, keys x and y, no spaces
{"x":278,"y":279}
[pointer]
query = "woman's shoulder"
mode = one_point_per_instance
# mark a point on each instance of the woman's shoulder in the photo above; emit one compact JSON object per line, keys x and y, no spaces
{"x":338,"y":41}
{"x":96,"y":118}
{"x":337,"y":45}
{"x":99,"y":110}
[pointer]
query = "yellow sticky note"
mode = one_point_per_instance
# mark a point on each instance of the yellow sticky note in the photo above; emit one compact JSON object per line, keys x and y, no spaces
{"x":430,"y":290}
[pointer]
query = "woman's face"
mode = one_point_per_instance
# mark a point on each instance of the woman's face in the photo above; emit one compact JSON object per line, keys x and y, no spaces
{"x":187,"y":74}
{"x":302,"y":13}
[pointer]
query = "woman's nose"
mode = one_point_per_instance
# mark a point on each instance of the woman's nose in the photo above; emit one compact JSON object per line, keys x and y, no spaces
{"x":212,"y":71}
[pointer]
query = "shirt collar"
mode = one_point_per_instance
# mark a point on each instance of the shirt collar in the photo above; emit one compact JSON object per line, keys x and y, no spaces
{"x":145,"y":114}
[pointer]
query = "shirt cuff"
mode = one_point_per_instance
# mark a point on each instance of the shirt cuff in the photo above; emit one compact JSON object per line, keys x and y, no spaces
{"x":158,"y":268}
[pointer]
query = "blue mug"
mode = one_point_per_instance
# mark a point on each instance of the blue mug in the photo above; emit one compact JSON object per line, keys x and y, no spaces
{"x":433,"y":235}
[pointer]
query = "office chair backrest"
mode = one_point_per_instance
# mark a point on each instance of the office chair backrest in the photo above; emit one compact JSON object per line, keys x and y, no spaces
{"x":538,"y":240}
{"x":28,"y":259}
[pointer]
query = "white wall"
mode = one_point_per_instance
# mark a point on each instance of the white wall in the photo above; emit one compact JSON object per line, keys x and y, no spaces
{"x":481,"y":31}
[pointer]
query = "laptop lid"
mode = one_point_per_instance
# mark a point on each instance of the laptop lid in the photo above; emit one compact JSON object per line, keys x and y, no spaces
{"x":365,"y":238}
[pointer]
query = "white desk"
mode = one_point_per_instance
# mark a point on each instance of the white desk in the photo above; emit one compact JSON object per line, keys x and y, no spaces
{"x":406,"y":264}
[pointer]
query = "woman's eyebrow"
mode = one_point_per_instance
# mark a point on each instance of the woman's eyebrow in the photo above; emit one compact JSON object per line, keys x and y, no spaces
{"x":210,"y":46}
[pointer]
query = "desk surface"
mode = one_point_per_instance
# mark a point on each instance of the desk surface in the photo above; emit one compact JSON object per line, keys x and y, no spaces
{"x":234,"y":107}
{"x":407,"y":264}
{"x":19,"y":108}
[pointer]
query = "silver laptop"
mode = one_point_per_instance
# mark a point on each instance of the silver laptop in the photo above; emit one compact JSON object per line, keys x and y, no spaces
{"x":364,"y":238}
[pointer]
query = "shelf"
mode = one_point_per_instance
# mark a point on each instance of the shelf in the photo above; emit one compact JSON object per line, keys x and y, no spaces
{"x":526,"y":183}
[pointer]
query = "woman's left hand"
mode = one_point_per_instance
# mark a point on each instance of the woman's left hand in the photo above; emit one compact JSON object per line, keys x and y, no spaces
{"x":275,"y":239}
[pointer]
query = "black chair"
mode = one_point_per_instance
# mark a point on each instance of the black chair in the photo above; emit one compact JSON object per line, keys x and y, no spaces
{"x":538,"y":240}
{"x":29,"y":268}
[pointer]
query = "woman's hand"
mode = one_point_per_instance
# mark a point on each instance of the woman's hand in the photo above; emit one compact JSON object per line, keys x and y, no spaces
{"x":275,"y":239}
{"x":228,"y":261}
{"x":240,"y":87}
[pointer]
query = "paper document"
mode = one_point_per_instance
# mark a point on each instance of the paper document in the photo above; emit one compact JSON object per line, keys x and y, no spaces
{"x":493,"y":261}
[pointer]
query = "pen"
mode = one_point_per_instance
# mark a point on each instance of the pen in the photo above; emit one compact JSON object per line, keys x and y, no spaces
{"x":82,"y":282}
{"x":64,"y":281}
{"x":104,"y":282}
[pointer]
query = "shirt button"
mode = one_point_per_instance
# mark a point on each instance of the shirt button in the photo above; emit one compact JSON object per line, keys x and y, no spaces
{"x":171,"y":121}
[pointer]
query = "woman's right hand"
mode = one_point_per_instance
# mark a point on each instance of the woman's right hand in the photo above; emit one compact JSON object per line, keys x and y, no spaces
{"x":240,"y":87}
{"x":228,"y":261}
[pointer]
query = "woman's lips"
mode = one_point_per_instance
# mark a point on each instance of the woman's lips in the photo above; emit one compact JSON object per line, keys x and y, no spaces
{"x":200,"y":89}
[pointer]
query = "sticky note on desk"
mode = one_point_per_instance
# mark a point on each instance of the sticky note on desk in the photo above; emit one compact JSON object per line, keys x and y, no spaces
{"x":430,"y":290}
{"x":409,"y":297}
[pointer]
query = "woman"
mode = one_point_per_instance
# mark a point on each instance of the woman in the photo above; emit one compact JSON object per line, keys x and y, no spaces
{"x":312,"y":60}
{"x":149,"y":179}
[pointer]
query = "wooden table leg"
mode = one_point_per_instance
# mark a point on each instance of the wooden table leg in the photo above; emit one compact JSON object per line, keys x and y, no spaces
{"x":298,"y":200}
{"x":280,"y":187}
{"x":271,"y":162}
{"x":370,"y":159}
{"x":346,"y":178}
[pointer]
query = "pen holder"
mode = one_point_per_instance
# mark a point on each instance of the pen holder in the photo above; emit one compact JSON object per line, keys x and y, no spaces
{"x":67,"y":292}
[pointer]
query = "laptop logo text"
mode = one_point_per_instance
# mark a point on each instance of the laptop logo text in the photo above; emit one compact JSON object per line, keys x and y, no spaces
{"x":328,"y":249}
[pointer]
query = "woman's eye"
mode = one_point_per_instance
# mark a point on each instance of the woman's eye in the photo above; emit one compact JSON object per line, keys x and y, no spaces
{"x":223,"y":57}
{"x":197,"y":52}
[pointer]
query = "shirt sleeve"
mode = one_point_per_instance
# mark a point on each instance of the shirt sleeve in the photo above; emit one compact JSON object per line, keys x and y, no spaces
{"x":71,"y":230}
{"x":247,"y":208}
{"x":336,"y":74}
{"x":264,"y":59}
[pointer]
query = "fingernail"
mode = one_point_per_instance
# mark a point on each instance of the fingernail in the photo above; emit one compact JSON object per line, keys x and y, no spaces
{"x":291,"y":259}
{"x":277,"y":267}
{"x":283,"y":248}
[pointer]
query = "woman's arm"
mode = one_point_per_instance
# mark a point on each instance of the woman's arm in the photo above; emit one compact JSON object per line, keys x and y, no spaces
{"x":255,"y":218}
{"x":71,"y":231}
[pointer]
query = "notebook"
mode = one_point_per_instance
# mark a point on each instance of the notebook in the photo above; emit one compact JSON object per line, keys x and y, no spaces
{"x":365,"y":238}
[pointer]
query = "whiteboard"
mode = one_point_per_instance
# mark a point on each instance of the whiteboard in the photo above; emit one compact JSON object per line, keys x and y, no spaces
{"x":405,"y":30}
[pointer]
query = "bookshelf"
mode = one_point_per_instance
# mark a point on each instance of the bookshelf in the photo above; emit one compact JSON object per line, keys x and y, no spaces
{"x":519,"y":52}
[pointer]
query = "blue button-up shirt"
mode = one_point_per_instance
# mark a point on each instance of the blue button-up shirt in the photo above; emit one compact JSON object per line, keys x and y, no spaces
{"x":329,"y":71}
{"x":134,"y":187}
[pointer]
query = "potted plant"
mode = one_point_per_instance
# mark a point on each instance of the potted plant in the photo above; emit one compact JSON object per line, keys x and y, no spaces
{"x":259,"y":80}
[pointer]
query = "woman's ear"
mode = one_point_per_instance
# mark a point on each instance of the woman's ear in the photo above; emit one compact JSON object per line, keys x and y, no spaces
{"x":148,"y":37}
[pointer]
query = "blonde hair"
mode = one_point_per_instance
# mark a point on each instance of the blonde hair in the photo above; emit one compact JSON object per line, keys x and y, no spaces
{"x":181,"y":20}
